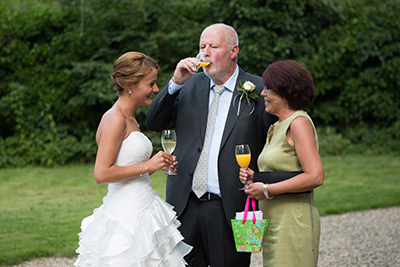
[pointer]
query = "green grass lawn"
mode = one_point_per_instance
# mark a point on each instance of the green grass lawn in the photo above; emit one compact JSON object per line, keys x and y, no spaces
{"x":41,"y":208}
{"x":359,"y":183}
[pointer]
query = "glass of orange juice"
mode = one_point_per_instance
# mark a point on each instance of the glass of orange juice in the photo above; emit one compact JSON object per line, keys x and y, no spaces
{"x":243,"y":157}
{"x":203,"y":62}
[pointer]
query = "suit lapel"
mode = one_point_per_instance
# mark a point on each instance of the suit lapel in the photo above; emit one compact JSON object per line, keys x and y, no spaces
{"x":233,"y":108}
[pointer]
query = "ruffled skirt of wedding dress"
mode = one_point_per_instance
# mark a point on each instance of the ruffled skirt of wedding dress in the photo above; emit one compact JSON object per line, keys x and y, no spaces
{"x":121,"y":234}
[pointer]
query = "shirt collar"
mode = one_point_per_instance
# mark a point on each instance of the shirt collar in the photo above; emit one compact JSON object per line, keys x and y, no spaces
{"x":231,"y":82}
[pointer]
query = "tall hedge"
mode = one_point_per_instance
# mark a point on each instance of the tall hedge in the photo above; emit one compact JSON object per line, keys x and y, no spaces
{"x":356,"y":65}
{"x":56,"y":58}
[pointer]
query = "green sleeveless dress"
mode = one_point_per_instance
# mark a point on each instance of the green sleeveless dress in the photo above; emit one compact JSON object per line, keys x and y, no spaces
{"x":292,"y":237}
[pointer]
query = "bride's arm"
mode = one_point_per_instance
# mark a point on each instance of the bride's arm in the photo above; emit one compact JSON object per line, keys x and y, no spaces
{"x":111,"y":132}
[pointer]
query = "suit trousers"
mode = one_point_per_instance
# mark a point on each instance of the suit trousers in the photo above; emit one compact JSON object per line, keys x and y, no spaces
{"x":205,"y":227}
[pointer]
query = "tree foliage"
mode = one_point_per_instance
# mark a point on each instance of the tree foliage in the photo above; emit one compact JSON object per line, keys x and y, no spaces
{"x":356,"y":65}
{"x":56,"y":58}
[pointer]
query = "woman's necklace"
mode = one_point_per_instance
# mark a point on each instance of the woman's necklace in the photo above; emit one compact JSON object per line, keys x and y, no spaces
{"x":128,"y":113}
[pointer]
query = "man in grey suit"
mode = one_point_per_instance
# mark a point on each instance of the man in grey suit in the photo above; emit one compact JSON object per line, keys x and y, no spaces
{"x":183,"y":104}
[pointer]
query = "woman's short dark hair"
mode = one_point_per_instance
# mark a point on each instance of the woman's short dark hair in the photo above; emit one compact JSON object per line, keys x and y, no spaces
{"x":291,"y":81}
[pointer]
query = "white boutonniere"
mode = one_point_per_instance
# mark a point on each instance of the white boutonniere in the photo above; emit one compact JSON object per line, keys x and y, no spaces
{"x":246,"y":90}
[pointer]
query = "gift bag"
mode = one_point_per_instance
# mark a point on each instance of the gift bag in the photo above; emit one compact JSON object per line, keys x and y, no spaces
{"x":249,"y":234}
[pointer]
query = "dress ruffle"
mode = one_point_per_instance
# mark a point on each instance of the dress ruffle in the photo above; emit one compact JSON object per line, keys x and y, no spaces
{"x":134,"y":226}
{"x":152,"y":240}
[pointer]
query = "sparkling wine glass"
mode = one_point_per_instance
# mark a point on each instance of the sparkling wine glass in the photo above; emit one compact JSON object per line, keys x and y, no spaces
{"x":243,"y":157}
{"x":203,"y":62}
{"x":168,"y":142}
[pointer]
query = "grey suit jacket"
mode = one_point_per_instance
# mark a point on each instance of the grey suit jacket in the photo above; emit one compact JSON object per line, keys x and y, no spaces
{"x":186,"y":111}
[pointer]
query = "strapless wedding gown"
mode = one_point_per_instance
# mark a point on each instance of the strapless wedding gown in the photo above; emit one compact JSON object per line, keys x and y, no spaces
{"x":134,"y":226}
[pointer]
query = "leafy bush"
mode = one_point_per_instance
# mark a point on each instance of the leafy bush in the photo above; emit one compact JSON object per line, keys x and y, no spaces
{"x":332,"y":143}
{"x":41,"y":122}
{"x":56,"y":58}
{"x":355,"y":65}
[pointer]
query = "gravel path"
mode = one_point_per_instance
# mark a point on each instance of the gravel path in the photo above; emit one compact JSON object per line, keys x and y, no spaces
{"x":367,"y":238}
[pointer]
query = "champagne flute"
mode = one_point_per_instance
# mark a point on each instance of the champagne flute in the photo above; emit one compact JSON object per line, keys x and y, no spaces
{"x":203,"y":63}
{"x":168,"y":142}
{"x":243,"y":157}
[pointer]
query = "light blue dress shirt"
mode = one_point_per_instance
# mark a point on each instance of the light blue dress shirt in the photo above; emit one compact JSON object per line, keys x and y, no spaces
{"x":220,"y":120}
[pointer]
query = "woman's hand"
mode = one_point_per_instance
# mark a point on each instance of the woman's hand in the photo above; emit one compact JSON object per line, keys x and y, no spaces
{"x":159,"y":161}
{"x":171,"y":167}
{"x":256,"y":190}
{"x":246,"y":175}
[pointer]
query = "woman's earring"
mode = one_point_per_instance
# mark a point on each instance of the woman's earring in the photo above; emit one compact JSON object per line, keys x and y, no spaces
{"x":130,"y":92}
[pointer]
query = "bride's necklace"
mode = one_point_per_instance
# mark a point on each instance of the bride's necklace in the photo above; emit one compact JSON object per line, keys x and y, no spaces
{"x":128,"y":113}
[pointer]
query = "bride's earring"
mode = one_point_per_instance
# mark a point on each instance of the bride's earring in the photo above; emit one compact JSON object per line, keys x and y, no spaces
{"x":130,"y":92}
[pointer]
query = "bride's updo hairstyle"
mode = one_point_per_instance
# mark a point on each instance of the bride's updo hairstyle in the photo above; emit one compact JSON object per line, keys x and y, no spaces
{"x":130,"y":68}
{"x":291,"y":81}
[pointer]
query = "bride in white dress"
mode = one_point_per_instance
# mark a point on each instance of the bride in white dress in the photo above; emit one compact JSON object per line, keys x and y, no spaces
{"x":133,"y":226}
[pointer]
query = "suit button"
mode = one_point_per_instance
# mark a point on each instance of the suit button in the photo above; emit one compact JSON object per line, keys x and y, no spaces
{"x":199,"y":150}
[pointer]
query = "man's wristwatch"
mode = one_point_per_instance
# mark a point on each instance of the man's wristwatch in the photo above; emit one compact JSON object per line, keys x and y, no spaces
{"x":265,"y":189}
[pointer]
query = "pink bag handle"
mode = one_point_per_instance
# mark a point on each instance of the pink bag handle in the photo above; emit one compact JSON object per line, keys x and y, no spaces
{"x":246,"y":209}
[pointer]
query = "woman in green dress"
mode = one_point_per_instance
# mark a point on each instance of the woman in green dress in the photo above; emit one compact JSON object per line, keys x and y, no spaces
{"x":292,"y":237}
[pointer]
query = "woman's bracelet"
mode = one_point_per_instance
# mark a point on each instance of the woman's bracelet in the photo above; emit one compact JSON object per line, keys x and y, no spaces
{"x":141,"y":169}
{"x":265,"y":189}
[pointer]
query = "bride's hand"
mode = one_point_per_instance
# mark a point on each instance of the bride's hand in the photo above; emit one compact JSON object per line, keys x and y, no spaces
{"x":159,"y":161}
{"x":173,"y":165}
